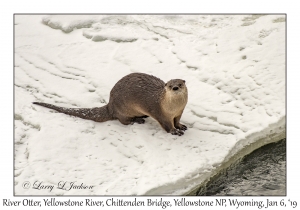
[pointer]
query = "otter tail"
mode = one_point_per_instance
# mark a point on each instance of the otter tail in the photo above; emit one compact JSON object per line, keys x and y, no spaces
{"x":98,"y":114}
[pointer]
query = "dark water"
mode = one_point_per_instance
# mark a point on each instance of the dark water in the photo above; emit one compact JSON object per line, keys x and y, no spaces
{"x":263,"y":172}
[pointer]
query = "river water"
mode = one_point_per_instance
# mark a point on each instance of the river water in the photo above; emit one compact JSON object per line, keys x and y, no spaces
{"x":263,"y":172}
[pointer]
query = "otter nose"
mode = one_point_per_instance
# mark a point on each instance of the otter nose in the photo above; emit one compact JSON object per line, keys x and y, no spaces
{"x":175,"y":88}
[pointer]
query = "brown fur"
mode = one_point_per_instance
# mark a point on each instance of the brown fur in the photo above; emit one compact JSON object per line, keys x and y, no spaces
{"x":137,"y":96}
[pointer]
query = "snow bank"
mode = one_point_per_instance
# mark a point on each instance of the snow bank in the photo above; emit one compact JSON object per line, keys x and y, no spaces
{"x":234,"y":67}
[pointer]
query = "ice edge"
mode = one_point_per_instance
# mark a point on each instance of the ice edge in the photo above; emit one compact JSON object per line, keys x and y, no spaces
{"x":275,"y":132}
{"x":233,"y":158}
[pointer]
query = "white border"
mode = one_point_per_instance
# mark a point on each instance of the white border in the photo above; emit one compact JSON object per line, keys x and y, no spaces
{"x":8,"y":8}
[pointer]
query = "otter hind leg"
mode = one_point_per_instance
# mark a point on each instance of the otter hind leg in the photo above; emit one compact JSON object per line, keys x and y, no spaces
{"x":131,"y":120}
{"x":125,"y":120}
{"x":138,"y":120}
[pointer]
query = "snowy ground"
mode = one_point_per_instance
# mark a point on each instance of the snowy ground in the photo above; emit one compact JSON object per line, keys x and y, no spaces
{"x":234,"y":67}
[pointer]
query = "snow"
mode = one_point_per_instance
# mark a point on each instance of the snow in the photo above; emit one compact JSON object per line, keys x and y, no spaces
{"x":234,"y":68}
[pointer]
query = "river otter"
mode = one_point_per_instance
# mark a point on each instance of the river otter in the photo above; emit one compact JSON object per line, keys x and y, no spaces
{"x":135,"y":97}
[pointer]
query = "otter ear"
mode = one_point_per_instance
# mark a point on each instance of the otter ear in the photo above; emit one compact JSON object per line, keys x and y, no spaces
{"x":183,"y":81}
{"x":166,"y":84}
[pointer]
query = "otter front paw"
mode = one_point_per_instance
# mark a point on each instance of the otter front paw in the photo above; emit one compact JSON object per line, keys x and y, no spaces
{"x":181,"y":127}
{"x":176,"y":132}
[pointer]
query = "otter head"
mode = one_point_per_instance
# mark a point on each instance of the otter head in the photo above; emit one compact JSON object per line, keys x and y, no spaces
{"x":175,"y":97}
{"x":176,"y":86}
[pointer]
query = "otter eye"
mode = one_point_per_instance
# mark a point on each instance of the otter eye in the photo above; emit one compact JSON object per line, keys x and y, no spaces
{"x":179,"y":85}
{"x":170,"y":86}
